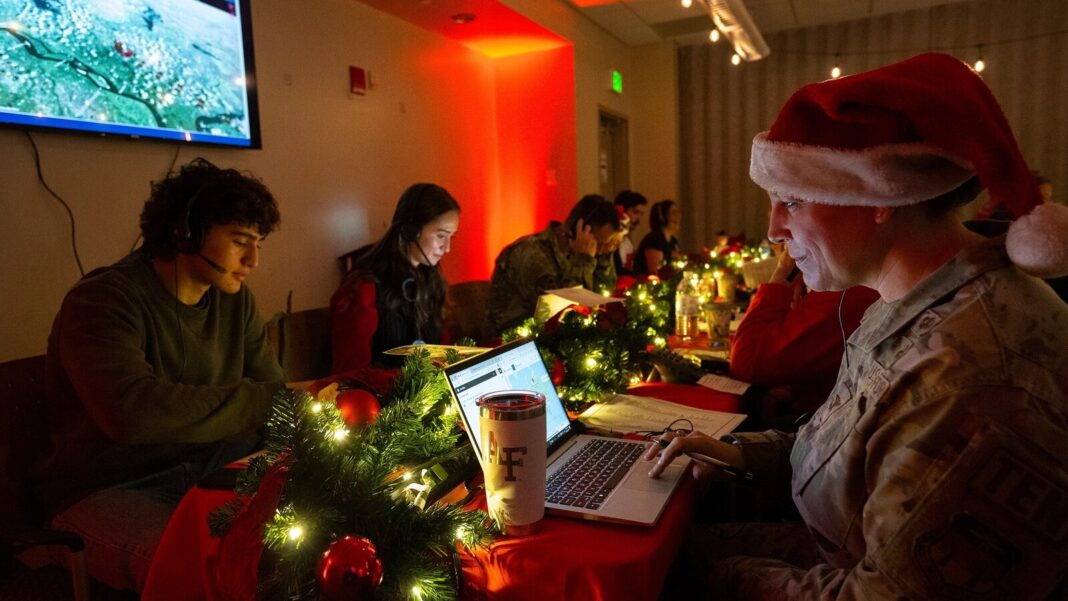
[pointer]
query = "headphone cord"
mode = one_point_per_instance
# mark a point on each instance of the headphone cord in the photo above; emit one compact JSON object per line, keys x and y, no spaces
{"x":178,"y":318}
{"x":841,"y":327}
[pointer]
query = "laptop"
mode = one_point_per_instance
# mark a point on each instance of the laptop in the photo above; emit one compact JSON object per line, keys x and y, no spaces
{"x":590,"y":477}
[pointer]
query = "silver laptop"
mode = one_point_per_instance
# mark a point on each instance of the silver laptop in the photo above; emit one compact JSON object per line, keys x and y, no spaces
{"x":592,"y":477}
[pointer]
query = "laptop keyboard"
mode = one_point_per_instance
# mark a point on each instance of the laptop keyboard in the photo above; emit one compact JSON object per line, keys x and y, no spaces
{"x":588,"y":477}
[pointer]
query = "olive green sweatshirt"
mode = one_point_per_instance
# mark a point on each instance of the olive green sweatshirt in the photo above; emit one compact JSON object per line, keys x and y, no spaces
{"x":138,"y":382}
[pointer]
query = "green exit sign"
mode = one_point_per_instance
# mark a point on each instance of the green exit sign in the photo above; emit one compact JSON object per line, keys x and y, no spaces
{"x":617,"y":82}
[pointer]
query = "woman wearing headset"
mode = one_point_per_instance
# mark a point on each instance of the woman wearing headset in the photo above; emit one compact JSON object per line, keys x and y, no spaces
{"x":660,"y":245}
{"x":395,"y":293}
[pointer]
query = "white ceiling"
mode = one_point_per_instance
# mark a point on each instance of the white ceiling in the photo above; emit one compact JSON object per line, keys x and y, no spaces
{"x":638,"y":22}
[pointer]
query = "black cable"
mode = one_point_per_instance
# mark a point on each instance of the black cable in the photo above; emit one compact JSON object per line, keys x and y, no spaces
{"x":174,"y":159}
{"x":70,"y":214}
{"x":170,"y":170}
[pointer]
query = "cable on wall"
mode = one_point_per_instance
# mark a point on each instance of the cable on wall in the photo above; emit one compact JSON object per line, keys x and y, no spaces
{"x":70,"y":214}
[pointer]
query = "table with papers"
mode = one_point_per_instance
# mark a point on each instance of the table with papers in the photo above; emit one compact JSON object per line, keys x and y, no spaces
{"x":568,"y":559}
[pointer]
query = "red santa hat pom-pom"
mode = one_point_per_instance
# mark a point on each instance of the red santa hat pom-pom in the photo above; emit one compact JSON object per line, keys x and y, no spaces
{"x":1038,"y":241}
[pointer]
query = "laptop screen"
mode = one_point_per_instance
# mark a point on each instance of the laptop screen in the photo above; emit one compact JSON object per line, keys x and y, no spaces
{"x":514,"y":366}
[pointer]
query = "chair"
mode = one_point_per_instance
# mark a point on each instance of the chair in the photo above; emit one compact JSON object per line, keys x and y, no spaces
{"x":302,"y":342}
{"x":465,"y":311}
{"x":348,"y":260}
{"x":23,"y":440}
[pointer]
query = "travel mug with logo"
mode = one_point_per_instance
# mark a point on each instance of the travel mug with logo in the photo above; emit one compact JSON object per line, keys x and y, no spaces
{"x":512,"y":431}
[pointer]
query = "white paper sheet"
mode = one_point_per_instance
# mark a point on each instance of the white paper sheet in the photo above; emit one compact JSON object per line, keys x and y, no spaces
{"x":625,"y":413}
{"x":556,"y":300}
{"x":723,"y":384}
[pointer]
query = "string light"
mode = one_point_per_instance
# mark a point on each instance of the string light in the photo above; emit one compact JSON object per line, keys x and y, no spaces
{"x":295,"y":532}
{"x":836,"y":72}
{"x":979,"y":64}
{"x":687,"y":3}
{"x":417,"y":592}
{"x":735,"y":59}
{"x":591,"y":362}
{"x":713,"y":36}
{"x":316,"y":407}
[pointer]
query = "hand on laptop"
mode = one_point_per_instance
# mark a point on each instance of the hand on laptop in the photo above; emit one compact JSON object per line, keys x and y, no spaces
{"x":699,"y":443}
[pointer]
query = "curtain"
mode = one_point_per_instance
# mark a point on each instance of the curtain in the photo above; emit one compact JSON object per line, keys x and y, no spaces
{"x":721,"y":106}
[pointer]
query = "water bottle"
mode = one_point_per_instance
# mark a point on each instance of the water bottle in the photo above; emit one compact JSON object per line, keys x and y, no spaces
{"x":687,"y":307}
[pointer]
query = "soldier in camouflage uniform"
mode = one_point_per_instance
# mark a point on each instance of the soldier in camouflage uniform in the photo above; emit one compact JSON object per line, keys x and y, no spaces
{"x":575,"y":253}
{"x":937,"y":467}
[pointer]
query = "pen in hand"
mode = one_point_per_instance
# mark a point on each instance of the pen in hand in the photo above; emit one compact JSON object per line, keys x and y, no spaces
{"x":722,"y":465}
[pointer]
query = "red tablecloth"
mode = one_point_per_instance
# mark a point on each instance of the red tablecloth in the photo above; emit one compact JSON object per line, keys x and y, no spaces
{"x":567,"y":559}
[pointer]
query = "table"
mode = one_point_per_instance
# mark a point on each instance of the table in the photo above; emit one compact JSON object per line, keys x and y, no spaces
{"x":569,"y":558}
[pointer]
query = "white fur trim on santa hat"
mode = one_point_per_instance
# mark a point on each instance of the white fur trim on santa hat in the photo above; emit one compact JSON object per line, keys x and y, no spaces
{"x":890,"y":175}
{"x":1038,"y":242}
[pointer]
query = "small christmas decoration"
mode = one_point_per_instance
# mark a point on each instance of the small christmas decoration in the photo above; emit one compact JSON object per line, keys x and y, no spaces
{"x":349,"y":570}
{"x":358,"y":407}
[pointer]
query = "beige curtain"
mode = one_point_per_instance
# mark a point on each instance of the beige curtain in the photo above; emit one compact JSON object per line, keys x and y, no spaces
{"x":721,"y":107}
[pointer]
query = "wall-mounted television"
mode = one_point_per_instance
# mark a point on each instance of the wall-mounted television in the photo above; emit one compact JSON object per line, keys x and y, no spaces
{"x":171,"y":69}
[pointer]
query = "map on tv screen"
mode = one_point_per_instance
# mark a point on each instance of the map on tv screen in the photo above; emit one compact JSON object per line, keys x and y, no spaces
{"x":172,"y":69}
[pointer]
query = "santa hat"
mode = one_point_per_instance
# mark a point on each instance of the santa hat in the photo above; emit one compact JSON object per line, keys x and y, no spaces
{"x":903,"y":134}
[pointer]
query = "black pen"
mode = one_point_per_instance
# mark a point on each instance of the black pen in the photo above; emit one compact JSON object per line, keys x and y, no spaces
{"x":722,"y":465}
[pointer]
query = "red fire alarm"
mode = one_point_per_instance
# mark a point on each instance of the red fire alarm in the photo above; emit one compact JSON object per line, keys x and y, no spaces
{"x":357,"y":80}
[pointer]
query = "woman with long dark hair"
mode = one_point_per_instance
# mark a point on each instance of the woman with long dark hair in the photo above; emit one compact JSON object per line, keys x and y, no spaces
{"x":659,"y":246}
{"x":395,"y":292}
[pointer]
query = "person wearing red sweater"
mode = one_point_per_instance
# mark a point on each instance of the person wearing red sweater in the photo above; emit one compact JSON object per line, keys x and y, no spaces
{"x":395,"y":293}
{"x":794,"y":337}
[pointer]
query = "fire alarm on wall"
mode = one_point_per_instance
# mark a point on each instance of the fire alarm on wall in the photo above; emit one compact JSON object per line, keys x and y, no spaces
{"x":357,"y":80}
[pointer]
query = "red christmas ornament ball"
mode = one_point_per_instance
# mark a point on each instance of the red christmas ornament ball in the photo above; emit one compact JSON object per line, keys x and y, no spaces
{"x":350,"y":569}
{"x":358,"y":407}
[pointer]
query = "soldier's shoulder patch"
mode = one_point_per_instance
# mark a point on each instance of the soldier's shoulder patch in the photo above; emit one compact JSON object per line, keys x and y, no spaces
{"x":926,"y":321}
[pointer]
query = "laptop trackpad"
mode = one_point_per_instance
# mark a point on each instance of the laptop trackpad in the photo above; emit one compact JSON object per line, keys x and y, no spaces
{"x":639,"y":478}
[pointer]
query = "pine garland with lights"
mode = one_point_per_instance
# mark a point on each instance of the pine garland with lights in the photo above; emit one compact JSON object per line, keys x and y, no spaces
{"x":373,"y":481}
{"x":594,"y":353}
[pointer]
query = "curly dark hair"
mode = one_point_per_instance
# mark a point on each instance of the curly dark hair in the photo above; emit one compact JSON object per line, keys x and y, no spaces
{"x":198,"y":196}
{"x":387,"y":261}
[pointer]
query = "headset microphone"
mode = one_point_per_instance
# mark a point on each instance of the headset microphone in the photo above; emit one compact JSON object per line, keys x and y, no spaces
{"x":213,"y":264}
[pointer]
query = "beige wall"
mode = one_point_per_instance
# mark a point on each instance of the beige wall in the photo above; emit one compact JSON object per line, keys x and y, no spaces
{"x":336,"y":162}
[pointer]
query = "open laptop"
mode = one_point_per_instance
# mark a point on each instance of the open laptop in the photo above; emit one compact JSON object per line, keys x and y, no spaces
{"x":613,"y":484}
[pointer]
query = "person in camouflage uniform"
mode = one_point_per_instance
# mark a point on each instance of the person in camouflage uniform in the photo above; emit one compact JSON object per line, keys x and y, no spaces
{"x":575,"y":253}
{"x":938,"y":467}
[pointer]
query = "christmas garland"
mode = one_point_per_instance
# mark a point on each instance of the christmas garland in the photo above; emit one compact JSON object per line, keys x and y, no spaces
{"x":349,"y":508}
{"x":593,"y":353}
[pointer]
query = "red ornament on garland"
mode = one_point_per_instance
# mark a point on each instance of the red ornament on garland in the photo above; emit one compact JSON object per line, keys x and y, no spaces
{"x":358,"y":407}
{"x":350,"y":569}
{"x":558,"y":372}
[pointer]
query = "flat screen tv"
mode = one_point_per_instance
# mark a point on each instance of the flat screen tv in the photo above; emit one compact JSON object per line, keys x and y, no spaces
{"x":169,"y":69}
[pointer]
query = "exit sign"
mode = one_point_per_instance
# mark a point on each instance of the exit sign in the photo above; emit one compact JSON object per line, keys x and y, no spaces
{"x":617,"y":82}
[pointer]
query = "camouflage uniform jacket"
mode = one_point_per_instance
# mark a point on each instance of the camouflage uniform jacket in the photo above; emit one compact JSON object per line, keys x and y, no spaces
{"x":533,"y":264}
{"x":937,"y":467}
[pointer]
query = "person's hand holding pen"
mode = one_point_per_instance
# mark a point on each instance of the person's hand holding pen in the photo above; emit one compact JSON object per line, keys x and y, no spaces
{"x":713,"y":459}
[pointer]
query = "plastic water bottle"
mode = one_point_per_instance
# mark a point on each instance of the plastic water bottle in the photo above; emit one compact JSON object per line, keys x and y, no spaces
{"x":687,"y":307}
